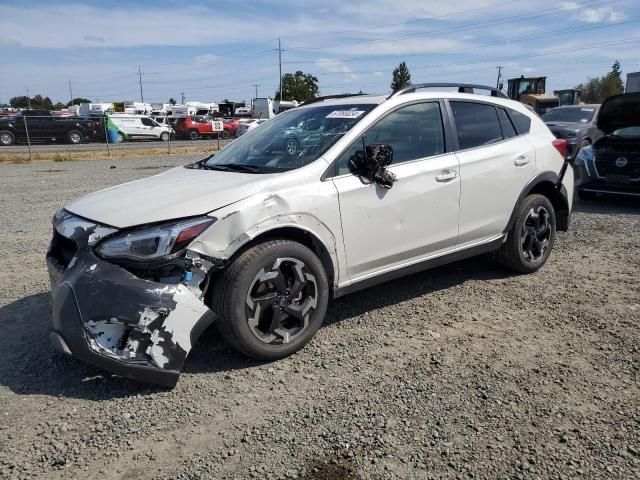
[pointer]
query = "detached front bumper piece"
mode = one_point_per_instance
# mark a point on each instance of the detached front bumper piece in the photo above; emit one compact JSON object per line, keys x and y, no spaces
{"x":106,"y":316}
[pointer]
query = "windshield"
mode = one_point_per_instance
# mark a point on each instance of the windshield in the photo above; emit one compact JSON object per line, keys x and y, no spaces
{"x":291,"y":140}
{"x":570,"y":115}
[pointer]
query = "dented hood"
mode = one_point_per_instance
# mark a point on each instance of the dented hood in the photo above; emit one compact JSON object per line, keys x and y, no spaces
{"x":177,"y":193}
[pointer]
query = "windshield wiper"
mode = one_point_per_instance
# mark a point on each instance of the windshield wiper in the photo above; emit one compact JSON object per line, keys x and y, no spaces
{"x":233,"y":167}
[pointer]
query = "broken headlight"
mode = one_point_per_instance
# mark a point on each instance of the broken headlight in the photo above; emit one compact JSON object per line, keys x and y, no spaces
{"x":154,"y":243}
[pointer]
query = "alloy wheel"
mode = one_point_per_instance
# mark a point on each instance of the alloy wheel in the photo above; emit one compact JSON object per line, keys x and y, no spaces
{"x":5,"y":139}
{"x":281,"y":300}
{"x":536,"y":234}
{"x":292,"y":146}
{"x":75,"y":137}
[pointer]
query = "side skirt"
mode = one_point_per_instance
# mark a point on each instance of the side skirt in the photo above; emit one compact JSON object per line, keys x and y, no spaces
{"x":421,"y":266}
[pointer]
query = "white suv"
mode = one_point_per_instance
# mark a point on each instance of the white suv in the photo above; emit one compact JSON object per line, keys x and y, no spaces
{"x":259,"y":237}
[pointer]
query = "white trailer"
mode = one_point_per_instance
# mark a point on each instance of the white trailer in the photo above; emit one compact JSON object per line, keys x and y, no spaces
{"x":633,"y":83}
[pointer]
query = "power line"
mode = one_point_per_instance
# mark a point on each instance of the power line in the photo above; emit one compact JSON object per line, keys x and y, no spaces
{"x":470,"y":26}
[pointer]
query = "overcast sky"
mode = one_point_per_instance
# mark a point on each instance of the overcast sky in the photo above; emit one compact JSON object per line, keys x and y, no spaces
{"x":212,"y":50}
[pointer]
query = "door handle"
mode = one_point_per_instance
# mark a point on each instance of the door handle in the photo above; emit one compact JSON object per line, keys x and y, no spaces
{"x":446,"y":176}
{"x":521,"y":161}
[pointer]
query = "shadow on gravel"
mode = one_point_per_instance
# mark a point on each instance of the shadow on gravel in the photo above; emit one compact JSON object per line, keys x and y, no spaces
{"x":609,"y":205}
{"x":30,"y":366}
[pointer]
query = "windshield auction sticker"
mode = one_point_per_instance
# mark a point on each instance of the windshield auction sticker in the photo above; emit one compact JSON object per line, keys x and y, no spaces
{"x":345,"y":114}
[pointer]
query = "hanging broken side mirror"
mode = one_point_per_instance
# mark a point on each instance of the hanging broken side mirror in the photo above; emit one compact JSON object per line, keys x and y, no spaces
{"x":371,"y":164}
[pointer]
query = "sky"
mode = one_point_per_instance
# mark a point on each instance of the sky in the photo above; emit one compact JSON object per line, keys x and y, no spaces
{"x":211,"y":50}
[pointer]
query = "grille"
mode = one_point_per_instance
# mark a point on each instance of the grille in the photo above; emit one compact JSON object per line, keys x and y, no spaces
{"x":606,"y":164}
{"x":62,"y":249}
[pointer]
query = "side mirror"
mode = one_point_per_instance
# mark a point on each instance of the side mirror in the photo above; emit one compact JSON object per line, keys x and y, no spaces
{"x":371,"y":164}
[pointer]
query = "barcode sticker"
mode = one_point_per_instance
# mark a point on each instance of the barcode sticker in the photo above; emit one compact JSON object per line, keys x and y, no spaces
{"x":345,"y":114}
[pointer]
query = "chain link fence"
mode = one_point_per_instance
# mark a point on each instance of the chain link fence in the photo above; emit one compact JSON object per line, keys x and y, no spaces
{"x":42,"y":135}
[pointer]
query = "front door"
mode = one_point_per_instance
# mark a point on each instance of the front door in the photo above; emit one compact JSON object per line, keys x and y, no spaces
{"x":418,"y":217}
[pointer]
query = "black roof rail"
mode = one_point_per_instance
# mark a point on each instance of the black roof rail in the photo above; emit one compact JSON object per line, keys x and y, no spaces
{"x":329,"y":97}
{"x":462,"y":88}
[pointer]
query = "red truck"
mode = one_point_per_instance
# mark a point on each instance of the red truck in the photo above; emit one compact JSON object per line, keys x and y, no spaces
{"x":196,"y":126}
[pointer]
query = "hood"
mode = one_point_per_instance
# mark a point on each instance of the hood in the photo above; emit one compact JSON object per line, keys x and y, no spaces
{"x":619,"y":111}
{"x":177,"y":193}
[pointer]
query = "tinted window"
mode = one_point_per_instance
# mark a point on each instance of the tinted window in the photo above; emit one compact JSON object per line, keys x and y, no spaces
{"x":414,"y":132}
{"x":147,"y":122}
{"x":477,"y":124}
{"x":505,"y":124}
{"x":570,"y":114}
{"x":520,"y":121}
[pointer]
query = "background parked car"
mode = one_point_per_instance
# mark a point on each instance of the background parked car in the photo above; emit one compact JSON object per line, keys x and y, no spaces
{"x":609,"y":160}
{"x":571,"y":123}
{"x":140,"y":127}
{"x":43,"y":126}
{"x":249,"y":124}
{"x":197,"y":126}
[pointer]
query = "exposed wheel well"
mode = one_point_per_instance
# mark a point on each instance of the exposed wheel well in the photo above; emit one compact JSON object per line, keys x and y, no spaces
{"x":560,"y":205}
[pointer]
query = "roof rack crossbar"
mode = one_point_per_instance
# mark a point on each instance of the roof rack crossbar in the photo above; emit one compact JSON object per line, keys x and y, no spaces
{"x":329,"y":97}
{"x":462,"y":88}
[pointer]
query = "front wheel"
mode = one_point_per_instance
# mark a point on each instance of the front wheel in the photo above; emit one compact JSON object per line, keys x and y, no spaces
{"x":7,"y":138}
{"x":530,"y":240}
{"x":225,"y":134}
{"x":271,"y":300}
{"x":74,"y":137}
{"x":193,"y":135}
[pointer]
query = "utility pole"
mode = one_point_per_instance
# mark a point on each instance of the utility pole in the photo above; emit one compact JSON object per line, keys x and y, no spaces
{"x":140,"y":79}
{"x":280,"y":50}
{"x":499,"y":67}
{"x":256,"y":85}
{"x":182,"y":98}
{"x":70,"y":93}
{"x":28,"y":98}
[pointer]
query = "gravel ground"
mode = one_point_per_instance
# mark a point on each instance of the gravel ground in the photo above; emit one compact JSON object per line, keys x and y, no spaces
{"x":461,"y":372}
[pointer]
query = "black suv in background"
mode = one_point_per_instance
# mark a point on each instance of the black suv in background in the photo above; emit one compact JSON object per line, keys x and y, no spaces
{"x":609,"y":157}
{"x":44,"y":126}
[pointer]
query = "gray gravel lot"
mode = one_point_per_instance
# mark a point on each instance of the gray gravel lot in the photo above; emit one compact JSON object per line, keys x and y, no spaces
{"x":462,"y":372}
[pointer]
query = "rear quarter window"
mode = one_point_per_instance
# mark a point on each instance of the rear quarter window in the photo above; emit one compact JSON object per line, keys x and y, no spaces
{"x":521,"y":122}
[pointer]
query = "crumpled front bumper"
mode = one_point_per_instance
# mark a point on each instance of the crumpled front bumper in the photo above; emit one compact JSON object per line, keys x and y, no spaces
{"x":106,"y":316}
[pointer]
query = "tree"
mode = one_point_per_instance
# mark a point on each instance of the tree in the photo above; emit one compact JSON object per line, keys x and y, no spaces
{"x":19,"y":102}
{"x":172,"y":101}
{"x":595,"y":90}
{"x":401,"y":77}
{"x":298,"y":86}
{"x":59,"y":106}
{"x":36,"y":102}
{"x":78,"y":101}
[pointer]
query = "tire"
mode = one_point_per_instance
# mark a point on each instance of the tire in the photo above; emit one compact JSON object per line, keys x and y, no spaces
{"x":7,"y":138}
{"x":265,"y":330}
{"x":121,"y":137}
{"x":194,"y":135}
{"x":74,"y":137}
{"x":225,"y":134}
{"x":291,"y":146}
{"x":586,"y":196}
{"x":164,"y":136}
{"x":530,"y":240}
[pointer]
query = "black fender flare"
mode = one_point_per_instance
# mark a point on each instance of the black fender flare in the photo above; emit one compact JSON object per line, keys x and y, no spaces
{"x":545,"y":184}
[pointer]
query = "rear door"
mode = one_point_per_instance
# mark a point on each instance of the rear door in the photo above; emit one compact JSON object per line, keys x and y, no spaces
{"x":417,"y":217}
{"x":495,"y":165}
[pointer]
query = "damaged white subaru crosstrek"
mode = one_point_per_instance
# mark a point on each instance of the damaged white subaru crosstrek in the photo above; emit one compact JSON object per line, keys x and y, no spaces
{"x":323,"y":200}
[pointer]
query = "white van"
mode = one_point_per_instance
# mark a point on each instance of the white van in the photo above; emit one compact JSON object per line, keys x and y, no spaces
{"x":140,"y":127}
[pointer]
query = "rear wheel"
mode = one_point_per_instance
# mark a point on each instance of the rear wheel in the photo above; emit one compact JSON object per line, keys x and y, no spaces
{"x":271,"y":300}
{"x":225,"y":134}
{"x":7,"y":138}
{"x":164,"y":136}
{"x":194,"y":135}
{"x":120,"y":137}
{"x":291,"y":146}
{"x":74,"y":137}
{"x":530,"y":240}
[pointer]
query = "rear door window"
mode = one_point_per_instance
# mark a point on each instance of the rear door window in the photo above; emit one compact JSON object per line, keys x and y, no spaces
{"x":147,"y":122}
{"x":477,"y":124}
